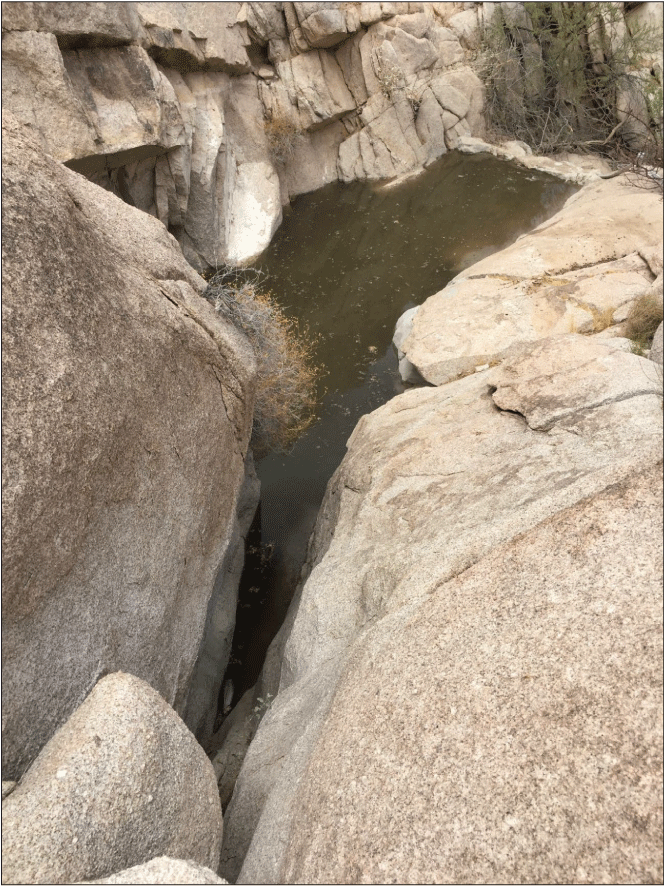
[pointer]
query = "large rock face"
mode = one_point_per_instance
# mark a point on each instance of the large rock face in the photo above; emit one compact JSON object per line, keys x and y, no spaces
{"x":174,"y":106}
{"x":432,"y":483}
{"x":121,"y":782}
{"x":565,"y":276}
{"x":508,"y":727}
{"x":514,"y":481}
{"x":127,"y":410}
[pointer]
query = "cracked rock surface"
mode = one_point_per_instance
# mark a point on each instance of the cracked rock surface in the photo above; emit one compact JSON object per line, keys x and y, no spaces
{"x":435,"y":482}
{"x":174,"y":106}
{"x":533,"y":431}
{"x":127,"y":410}
{"x":567,"y":275}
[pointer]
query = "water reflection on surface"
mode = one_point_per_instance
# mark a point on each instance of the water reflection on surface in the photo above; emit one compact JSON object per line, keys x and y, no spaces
{"x":347,"y":261}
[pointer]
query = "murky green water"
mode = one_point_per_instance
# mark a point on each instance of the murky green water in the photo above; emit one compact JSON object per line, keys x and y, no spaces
{"x":348,"y":260}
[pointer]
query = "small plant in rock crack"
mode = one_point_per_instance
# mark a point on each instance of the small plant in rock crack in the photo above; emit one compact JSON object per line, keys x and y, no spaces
{"x":390,"y":77}
{"x":393,"y":84}
{"x":414,"y":98}
{"x":286,"y":375}
{"x":283,"y":135}
{"x":644,"y":317}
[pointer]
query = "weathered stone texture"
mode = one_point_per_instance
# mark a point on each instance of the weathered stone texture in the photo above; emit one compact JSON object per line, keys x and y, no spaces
{"x":565,"y":276}
{"x":507,"y":728}
{"x":38,"y":90}
{"x":656,"y":352}
{"x":121,"y":782}
{"x":89,"y":24}
{"x":127,"y":409}
{"x":142,"y":99}
{"x":432,"y":483}
{"x":162,"y":870}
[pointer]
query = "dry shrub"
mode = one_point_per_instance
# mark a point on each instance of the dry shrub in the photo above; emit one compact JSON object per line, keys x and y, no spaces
{"x":644,"y":168}
{"x":644,"y":317}
{"x":286,"y":374}
{"x":390,"y":76}
{"x":283,"y":134}
{"x":572,"y":76}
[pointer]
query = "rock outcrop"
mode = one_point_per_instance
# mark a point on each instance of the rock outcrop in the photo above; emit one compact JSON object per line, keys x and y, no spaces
{"x":121,"y":782}
{"x":469,"y":683}
{"x":162,"y":870}
{"x":127,"y":410}
{"x":506,"y":728}
{"x":433,"y":484}
{"x":181,"y":108}
{"x":565,"y":276}
{"x":533,"y":433}
{"x":184,"y":109}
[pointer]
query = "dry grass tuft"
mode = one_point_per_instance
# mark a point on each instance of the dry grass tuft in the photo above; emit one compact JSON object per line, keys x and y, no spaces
{"x":283,"y":134}
{"x":286,"y":377}
{"x":644,"y":317}
{"x":603,"y":317}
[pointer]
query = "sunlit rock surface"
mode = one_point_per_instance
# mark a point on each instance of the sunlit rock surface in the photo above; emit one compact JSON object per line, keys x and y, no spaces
{"x":508,"y":727}
{"x":571,"y":274}
{"x":434,"y":483}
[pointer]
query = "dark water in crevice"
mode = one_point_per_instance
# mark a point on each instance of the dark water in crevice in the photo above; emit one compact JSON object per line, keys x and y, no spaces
{"x":347,"y":261}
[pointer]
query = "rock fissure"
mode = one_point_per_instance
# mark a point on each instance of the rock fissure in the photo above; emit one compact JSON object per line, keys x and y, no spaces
{"x":129,"y":494}
{"x":435,"y":474}
{"x":619,"y":398}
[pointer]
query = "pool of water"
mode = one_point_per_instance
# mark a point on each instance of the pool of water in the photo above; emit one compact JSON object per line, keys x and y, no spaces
{"x":347,"y":261}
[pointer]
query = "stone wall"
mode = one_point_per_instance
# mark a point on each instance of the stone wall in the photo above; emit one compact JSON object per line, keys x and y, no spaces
{"x":212,"y":116}
{"x":177,"y":107}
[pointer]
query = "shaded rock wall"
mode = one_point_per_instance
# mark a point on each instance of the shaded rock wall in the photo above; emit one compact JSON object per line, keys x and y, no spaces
{"x":215,"y":650}
{"x":127,"y":411}
{"x":173,"y":106}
